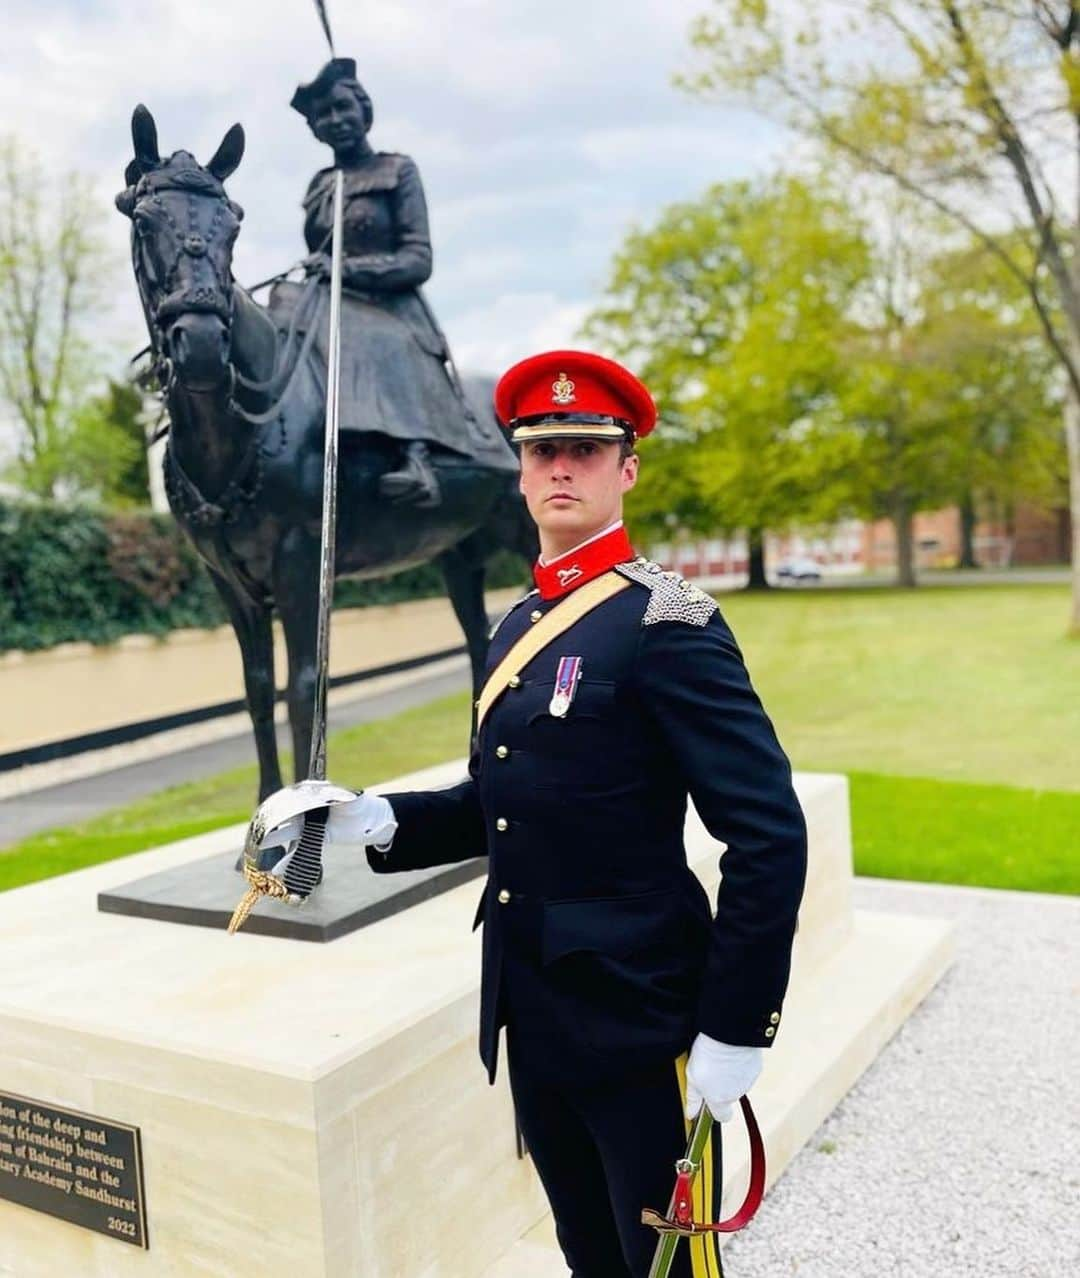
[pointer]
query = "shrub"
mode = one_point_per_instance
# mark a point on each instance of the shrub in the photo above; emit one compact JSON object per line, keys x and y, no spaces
{"x":79,"y":573}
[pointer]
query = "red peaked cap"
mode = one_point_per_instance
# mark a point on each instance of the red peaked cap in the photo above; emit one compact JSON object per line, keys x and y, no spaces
{"x":573,"y":395}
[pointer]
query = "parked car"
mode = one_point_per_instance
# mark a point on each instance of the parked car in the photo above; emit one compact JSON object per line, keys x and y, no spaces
{"x":799,"y":570}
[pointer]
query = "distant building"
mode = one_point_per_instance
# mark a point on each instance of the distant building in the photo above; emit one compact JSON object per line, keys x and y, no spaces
{"x":1030,"y":538}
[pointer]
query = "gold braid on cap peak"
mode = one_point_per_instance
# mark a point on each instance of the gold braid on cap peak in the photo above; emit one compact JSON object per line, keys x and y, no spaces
{"x":570,"y":426}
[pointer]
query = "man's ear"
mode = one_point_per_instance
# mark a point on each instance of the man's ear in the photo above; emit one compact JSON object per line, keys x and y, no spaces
{"x":630,"y":471}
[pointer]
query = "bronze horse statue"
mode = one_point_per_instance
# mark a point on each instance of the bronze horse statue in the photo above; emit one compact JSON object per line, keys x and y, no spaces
{"x":245,"y":394}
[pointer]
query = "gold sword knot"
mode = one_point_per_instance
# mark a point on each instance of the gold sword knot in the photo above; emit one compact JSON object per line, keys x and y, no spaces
{"x":260,"y":883}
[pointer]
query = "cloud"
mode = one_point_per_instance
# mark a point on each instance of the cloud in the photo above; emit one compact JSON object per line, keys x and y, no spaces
{"x":490,"y":337}
{"x":543,"y":130}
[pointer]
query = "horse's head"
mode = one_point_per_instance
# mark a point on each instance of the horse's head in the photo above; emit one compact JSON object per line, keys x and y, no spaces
{"x":183,"y":230}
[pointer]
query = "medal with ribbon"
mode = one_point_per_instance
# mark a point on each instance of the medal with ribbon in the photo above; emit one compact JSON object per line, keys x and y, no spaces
{"x":566,"y":682}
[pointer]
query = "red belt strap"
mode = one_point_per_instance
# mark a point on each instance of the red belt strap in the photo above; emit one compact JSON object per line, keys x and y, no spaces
{"x":678,"y":1220}
{"x":755,"y":1191}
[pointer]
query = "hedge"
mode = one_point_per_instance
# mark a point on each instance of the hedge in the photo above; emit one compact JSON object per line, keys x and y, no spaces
{"x":77,"y":573}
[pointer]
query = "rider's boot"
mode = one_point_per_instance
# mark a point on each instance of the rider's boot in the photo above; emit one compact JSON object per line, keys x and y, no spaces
{"x":415,"y":483}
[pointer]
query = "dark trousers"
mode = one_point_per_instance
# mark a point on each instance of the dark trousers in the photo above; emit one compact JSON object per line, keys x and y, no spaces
{"x":603,"y":1153}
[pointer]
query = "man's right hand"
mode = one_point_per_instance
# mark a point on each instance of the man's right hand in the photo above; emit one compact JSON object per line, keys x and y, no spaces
{"x":368,"y":821}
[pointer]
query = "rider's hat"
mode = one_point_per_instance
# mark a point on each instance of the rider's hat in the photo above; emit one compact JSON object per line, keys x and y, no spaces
{"x":573,"y":395}
{"x":305,"y":97}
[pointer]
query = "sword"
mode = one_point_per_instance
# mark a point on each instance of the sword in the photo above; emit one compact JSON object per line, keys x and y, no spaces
{"x":312,"y":798}
{"x":317,"y":758}
{"x":679,"y":1221}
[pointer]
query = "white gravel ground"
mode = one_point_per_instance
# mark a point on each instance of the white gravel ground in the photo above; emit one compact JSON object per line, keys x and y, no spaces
{"x":958,"y":1152}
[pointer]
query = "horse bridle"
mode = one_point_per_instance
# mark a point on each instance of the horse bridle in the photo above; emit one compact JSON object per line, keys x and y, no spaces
{"x":190,"y":243}
{"x":174,"y":302}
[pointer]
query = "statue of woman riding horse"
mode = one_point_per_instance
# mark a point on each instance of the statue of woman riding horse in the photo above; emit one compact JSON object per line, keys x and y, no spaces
{"x":396,"y":374}
{"x":245,"y":392}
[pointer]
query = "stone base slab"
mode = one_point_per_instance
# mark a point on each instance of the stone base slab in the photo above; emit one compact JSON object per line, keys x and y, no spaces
{"x":206,"y":893}
{"x":319,"y":1110}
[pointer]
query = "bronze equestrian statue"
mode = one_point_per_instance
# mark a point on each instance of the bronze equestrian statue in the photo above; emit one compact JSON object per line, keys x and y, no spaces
{"x":244,"y":387}
{"x":396,"y":372}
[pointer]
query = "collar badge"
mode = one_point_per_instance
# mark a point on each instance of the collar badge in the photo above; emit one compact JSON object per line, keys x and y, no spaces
{"x":567,"y":575}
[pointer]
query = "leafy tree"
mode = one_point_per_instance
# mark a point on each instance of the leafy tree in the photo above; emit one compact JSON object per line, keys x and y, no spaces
{"x":1004,"y":401}
{"x":122,"y":409}
{"x":52,"y":267}
{"x":735,"y":308}
{"x":949,"y":394}
{"x":973,"y":106}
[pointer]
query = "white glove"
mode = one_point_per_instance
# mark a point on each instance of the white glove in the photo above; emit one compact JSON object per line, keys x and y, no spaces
{"x":718,"y":1074}
{"x":368,"y":820}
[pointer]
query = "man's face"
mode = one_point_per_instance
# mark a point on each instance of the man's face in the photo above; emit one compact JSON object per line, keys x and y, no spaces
{"x":574,"y":487}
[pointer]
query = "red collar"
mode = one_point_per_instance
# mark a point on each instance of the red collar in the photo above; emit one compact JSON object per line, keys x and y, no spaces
{"x":576,"y":567}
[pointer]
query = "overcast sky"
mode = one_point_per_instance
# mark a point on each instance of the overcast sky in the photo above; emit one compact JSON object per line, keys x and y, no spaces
{"x":543,"y":130}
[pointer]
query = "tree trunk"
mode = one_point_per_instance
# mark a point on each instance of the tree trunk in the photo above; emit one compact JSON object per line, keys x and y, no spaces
{"x":755,"y":539}
{"x":967,"y":532}
{"x":1072,"y":440}
{"x":903,"y":519}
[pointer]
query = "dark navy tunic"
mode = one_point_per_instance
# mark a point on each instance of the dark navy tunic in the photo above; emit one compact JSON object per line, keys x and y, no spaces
{"x":600,"y":948}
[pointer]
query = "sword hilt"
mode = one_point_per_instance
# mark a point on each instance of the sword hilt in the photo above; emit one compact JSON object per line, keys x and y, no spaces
{"x":304,"y":872}
{"x":679,"y":1221}
{"x":311,"y":800}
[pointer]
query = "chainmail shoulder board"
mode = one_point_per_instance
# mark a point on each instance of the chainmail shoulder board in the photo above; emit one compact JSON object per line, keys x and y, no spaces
{"x":672,"y":597}
{"x":516,"y":604}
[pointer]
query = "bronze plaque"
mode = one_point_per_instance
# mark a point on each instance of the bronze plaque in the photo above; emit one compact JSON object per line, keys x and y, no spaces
{"x":75,"y":1166}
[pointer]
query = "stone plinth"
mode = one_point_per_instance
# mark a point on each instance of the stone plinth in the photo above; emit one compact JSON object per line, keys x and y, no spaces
{"x":319,"y":1110}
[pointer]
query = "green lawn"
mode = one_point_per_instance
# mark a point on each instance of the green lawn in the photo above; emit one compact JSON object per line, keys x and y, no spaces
{"x":956,"y":832}
{"x":363,"y":755}
{"x":967,"y":684}
{"x":975,"y":687}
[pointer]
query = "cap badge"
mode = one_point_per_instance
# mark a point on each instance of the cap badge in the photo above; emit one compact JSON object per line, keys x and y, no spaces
{"x":562,"y":390}
{"x":566,"y":682}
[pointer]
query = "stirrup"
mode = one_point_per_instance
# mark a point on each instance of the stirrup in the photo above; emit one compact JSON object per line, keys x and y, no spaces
{"x":422,"y":484}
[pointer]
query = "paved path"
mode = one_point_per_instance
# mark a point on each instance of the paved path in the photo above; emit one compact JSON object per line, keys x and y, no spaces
{"x":78,"y":800}
{"x":958,"y":1152}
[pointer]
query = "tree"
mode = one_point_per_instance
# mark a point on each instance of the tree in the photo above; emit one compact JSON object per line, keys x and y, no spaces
{"x":1004,"y":401}
{"x":973,"y":106}
{"x":948,"y":389}
{"x":123,"y":412}
{"x":735,"y":308}
{"x":52,"y":268}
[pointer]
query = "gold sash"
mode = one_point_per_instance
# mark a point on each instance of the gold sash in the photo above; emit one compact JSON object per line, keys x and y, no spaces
{"x":545,"y":631}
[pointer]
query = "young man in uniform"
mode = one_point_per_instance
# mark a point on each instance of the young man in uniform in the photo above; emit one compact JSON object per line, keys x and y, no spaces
{"x":615,"y":690}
